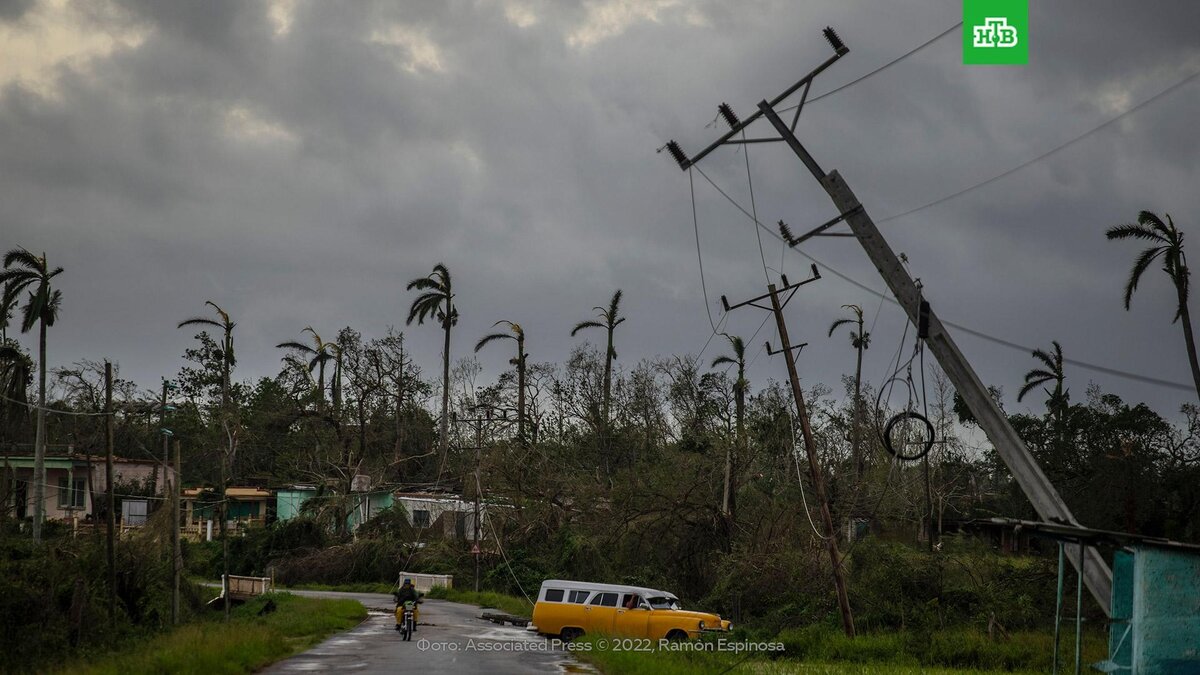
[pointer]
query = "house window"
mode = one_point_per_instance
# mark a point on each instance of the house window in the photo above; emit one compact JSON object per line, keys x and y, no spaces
{"x":68,"y":497}
{"x":420,"y":518}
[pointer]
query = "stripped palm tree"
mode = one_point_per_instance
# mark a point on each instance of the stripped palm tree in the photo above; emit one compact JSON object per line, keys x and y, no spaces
{"x":25,"y":271}
{"x":437,"y":301}
{"x":609,"y":320}
{"x":1167,"y":242}
{"x":228,"y":361}
{"x":860,"y":339}
{"x":728,"y":500}
{"x":317,"y":354}
{"x":517,"y":334}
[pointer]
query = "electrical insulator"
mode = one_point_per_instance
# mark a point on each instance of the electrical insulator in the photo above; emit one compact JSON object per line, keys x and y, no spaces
{"x":835,"y":41}
{"x":677,"y":153}
{"x":731,"y":117}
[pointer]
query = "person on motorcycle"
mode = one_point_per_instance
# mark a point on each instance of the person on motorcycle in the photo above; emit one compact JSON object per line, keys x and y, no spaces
{"x":406,"y":593}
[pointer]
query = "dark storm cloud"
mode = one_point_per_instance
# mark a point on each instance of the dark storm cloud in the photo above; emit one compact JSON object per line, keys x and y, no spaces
{"x":299,"y":166}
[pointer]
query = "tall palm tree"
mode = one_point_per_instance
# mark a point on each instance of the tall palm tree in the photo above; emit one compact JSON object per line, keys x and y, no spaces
{"x":317,"y":354}
{"x":860,"y":339}
{"x":610,"y":318}
{"x":25,"y":271}
{"x":517,"y":334}
{"x":1167,"y":242}
{"x":1052,"y":371}
{"x":228,"y":361}
{"x":740,"y":385}
{"x":437,"y":301}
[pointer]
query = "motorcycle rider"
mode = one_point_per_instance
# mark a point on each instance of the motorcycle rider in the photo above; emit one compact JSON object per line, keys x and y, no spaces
{"x":406,"y":593}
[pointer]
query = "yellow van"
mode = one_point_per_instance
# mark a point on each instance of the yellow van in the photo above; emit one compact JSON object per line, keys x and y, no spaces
{"x":569,"y":609}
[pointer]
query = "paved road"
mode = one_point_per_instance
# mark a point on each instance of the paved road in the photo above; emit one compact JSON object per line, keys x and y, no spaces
{"x":451,"y":638}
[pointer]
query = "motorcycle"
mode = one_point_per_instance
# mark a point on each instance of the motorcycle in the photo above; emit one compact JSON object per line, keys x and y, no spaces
{"x":406,"y":619}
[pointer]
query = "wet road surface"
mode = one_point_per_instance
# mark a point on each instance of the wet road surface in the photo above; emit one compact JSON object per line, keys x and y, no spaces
{"x":451,"y":638}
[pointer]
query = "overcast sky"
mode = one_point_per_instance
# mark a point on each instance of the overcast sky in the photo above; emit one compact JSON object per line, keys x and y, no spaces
{"x":299,"y":161}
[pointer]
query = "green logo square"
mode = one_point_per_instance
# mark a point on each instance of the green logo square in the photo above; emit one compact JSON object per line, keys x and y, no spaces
{"x":995,"y":32}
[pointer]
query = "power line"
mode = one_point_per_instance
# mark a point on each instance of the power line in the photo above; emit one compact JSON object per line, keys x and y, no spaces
{"x":700,"y":257}
{"x":1044,"y":155}
{"x":882,"y":68}
{"x":971,"y":331}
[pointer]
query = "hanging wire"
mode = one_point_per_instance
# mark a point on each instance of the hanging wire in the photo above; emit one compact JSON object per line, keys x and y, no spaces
{"x":699,"y":255}
{"x":753,"y":209}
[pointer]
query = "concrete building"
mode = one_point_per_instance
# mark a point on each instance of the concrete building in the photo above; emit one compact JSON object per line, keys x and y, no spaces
{"x":75,"y":483}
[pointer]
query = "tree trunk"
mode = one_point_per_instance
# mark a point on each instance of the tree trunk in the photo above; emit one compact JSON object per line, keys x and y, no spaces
{"x":39,"y":441}
{"x":856,"y":432}
{"x":521,"y":390}
{"x":320,"y":386}
{"x":1185,"y":316}
{"x":444,"y":426}
{"x":607,"y":389}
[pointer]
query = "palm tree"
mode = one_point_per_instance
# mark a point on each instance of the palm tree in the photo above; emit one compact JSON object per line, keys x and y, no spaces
{"x":739,"y":391}
{"x":23,"y":271}
{"x":318,"y":354}
{"x":517,"y":335}
{"x":1167,"y":241}
{"x":860,"y":340}
{"x":226,"y":325}
{"x":610,"y":319}
{"x":437,"y":301}
{"x":1051,"y":372}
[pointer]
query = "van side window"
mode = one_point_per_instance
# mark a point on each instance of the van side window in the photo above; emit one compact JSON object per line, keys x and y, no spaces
{"x":579,"y":597}
{"x":605,"y":600}
{"x":554,"y":595}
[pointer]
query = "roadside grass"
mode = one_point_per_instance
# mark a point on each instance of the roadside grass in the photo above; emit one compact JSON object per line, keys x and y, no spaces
{"x":818,"y":650}
{"x":506,"y":603}
{"x":245,"y":644}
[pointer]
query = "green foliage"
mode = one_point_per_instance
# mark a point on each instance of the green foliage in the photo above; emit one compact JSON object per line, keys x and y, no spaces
{"x":506,"y":603}
{"x":60,"y":591}
{"x":244,"y":645}
{"x":898,"y":587}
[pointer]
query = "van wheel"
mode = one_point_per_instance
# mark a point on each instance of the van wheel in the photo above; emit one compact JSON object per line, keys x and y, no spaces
{"x":569,"y":634}
{"x":677,"y":635}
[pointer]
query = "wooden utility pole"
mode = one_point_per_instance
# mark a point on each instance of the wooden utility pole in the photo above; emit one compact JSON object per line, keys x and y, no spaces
{"x":814,"y":468}
{"x":110,"y":553}
{"x":810,"y":446}
{"x":177,"y":551}
{"x":478,"y":488}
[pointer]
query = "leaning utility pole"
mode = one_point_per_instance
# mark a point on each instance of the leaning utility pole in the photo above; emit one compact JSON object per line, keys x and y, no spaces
{"x":110,"y":553}
{"x":1008,"y":444}
{"x":810,"y":446}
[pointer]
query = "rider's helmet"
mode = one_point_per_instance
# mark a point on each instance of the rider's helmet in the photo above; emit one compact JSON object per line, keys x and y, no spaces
{"x":407,"y":582}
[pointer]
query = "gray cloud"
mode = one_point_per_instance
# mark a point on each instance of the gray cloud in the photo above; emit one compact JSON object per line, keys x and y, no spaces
{"x":302,"y":173}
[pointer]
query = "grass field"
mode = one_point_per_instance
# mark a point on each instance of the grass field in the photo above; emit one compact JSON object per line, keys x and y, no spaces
{"x":821,"y":650}
{"x":505,"y":603}
{"x":245,"y":644}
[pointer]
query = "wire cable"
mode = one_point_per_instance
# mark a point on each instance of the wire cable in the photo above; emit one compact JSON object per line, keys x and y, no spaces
{"x":882,"y":68}
{"x":970,"y":331}
{"x":699,"y":256}
{"x":1044,"y":155}
{"x":753,"y":209}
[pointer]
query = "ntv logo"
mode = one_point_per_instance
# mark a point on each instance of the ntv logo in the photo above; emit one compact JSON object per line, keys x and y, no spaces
{"x":995,"y":32}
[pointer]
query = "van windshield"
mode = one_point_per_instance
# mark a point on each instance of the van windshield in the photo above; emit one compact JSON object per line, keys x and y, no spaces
{"x":664,"y":602}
